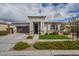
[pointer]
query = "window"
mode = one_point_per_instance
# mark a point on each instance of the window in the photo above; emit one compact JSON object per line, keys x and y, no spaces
{"x":53,"y":27}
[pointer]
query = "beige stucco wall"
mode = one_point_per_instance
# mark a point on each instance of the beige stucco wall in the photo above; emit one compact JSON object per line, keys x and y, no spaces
{"x":3,"y":27}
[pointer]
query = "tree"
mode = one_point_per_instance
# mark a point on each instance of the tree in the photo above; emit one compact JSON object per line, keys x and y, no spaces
{"x":75,"y":28}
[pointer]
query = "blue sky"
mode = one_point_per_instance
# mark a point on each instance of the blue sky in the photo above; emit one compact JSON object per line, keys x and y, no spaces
{"x":52,"y":11}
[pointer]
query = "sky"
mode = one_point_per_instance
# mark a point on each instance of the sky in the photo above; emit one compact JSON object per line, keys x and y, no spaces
{"x":18,"y":12}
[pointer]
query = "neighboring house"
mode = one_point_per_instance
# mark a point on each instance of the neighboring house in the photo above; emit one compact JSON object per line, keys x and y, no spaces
{"x":6,"y":26}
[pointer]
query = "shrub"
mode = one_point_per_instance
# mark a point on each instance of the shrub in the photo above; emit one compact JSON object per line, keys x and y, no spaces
{"x":42,"y":45}
{"x":50,"y":33}
{"x":66,"y":33}
{"x":21,"y":46}
{"x":55,"y":33}
{"x":29,"y":37}
{"x":46,"y":33}
{"x":3,"y":33}
{"x":65,"y":45}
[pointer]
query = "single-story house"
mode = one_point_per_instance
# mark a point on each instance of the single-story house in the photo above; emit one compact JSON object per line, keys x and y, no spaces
{"x":36,"y":25}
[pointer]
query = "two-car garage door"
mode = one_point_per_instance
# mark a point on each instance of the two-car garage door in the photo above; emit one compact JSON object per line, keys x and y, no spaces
{"x":23,"y":29}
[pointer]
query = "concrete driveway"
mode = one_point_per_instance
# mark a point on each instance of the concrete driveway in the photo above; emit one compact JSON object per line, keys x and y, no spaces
{"x":7,"y":42}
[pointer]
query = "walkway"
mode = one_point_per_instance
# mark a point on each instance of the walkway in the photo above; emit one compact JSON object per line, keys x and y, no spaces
{"x":42,"y":53}
{"x":36,"y":37}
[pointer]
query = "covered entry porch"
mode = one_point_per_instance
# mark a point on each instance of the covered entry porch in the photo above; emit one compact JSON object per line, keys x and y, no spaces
{"x":36,"y":24}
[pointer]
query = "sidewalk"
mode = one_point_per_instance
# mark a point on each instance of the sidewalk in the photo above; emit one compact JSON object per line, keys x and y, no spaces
{"x":42,"y":53}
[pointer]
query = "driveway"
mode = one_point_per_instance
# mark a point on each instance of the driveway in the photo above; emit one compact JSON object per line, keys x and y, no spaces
{"x":7,"y":42}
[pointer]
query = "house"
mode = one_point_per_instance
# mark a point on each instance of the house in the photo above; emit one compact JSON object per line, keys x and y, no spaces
{"x":37,"y":25}
{"x":6,"y":26}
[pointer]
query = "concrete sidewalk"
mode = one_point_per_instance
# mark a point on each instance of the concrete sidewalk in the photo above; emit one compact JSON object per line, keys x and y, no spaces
{"x":42,"y":53}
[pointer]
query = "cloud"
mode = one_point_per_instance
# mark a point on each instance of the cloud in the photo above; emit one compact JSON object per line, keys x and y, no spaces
{"x":19,"y":12}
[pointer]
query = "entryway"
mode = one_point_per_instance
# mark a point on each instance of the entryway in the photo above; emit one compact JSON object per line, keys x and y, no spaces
{"x":36,"y":27}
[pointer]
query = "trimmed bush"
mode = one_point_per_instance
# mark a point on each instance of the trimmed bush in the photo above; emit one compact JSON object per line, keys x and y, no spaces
{"x":2,"y":33}
{"x":50,"y":34}
{"x":21,"y":46}
{"x":66,"y":45}
{"x":55,"y":33}
{"x":29,"y":37}
{"x":46,"y":33}
{"x":42,"y":45}
{"x":66,"y":33}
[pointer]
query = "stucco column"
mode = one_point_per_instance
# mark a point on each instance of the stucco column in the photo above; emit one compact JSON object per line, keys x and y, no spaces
{"x":8,"y":29}
{"x":46,"y":28}
{"x":42,"y":27}
{"x":38,"y":28}
{"x":55,"y":27}
{"x":59,"y":28}
{"x":31,"y":28}
{"x":49,"y":28}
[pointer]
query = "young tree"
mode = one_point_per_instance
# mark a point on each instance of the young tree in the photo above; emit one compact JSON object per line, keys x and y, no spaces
{"x":75,"y":28}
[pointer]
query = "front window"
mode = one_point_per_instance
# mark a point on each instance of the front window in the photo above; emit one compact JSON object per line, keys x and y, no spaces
{"x":53,"y":27}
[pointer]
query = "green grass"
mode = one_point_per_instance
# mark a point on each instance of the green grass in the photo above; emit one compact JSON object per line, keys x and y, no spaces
{"x":53,"y":37}
{"x":21,"y":46}
{"x":64,"y":45}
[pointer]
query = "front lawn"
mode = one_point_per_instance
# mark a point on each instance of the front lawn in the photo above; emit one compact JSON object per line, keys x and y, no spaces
{"x":53,"y":37}
{"x":64,"y":45}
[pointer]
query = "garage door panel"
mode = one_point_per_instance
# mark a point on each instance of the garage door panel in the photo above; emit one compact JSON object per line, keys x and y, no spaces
{"x":23,"y":29}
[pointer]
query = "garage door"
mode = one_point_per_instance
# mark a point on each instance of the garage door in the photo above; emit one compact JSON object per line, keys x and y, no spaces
{"x":23,"y":29}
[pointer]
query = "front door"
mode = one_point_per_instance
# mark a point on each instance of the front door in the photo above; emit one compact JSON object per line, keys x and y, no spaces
{"x":36,"y":28}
